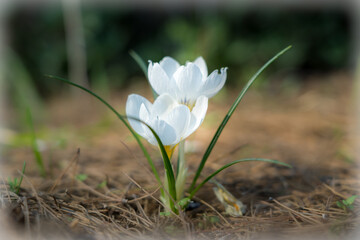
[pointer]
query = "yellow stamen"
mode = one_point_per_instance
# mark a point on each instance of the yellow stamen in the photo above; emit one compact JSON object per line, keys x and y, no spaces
{"x":190,"y":106}
{"x":169,"y":150}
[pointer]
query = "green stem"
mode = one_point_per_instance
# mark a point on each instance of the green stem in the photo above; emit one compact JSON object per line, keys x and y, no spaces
{"x":181,"y":171}
{"x":181,"y":157}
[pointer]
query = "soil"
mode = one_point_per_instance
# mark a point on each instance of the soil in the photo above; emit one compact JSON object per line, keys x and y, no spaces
{"x":106,"y":190}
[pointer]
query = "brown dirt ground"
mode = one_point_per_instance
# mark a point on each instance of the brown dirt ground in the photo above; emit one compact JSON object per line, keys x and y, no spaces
{"x":310,"y":127}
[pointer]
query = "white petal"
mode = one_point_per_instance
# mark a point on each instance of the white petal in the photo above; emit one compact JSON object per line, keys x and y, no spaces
{"x":158,"y":78}
{"x":169,"y":65}
{"x":163,"y":104}
{"x":179,"y":119}
{"x":133,"y":105}
{"x":144,"y":113}
{"x":197,"y":114}
{"x":214,"y":83}
{"x":200,"y":62}
{"x":166,"y":133}
{"x":188,"y":80}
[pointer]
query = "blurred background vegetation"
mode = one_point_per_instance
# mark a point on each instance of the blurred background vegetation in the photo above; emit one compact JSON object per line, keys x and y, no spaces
{"x":239,"y":39}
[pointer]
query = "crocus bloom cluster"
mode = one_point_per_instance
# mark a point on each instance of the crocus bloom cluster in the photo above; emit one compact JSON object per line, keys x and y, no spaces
{"x":172,"y":121}
{"x":186,"y":83}
{"x":182,"y":103}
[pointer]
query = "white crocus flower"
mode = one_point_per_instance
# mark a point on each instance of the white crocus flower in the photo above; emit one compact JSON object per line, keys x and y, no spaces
{"x":172,"y":121}
{"x":185,"y":83}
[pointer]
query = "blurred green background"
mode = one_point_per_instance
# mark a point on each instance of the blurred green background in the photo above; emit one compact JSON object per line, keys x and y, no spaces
{"x":43,"y":113}
{"x":241,"y":39}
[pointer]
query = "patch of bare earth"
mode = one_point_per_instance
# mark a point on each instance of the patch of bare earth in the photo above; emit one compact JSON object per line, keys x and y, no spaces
{"x":311,"y":129}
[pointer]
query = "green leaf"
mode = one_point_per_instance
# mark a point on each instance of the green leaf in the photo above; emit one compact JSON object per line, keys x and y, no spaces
{"x":350,"y":200}
{"x":102,"y":184}
{"x":147,"y":155}
{"x":166,"y":214}
{"x":167,"y":164}
{"x":21,"y":178}
{"x":184,"y":202}
{"x":347,"y":203}
{"x":232,"y":163}
{"x":143,"y":67}
{"x":81,"y":177}
{"x":228,"y":115}
{"x":13,"y":184}
{"x":139,"y":61}
{"x":34,"y":145}
{"x":341,"y":205}
{"x":168,"y":168}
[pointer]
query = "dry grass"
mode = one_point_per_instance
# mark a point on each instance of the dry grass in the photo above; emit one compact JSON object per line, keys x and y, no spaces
{"x":74,"y":209}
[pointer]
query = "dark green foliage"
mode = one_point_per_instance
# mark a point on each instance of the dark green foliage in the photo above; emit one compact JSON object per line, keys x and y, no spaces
{"x":237,"y":38}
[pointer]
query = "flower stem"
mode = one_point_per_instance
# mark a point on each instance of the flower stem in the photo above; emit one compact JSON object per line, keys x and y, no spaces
{"x":181,"y":157}
{"x":181,"y":171}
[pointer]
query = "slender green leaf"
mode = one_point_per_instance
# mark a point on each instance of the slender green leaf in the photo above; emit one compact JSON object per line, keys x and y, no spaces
{"x":139,"y":61}
{"x":147,"y":155}
{"x":168,"y":167}
{"x":34,"y":145}
{"x":350,"y":200}
{"x":228,"y":115}
{"x":21,"y":178}
{"x":143,"y":67}
{"x":340,"y":205}
{"x":167,"y":164}
{"x":232,"y":163}
{"x":13,"y":184}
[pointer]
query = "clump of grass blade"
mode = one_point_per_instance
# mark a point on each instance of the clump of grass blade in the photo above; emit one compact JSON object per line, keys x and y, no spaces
{"x":15,"y":184}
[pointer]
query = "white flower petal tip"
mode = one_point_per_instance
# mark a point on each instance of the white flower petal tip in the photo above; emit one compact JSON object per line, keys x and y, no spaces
{"x":197,"y":114}
{"x":185,"y":82}
{"x":135,"y":105}
{"x":169,"y":65}
{"x":171,"y":121}
{"x":158,"y":78}
{"x":200,"y":62}
{"x":214,"y":82}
